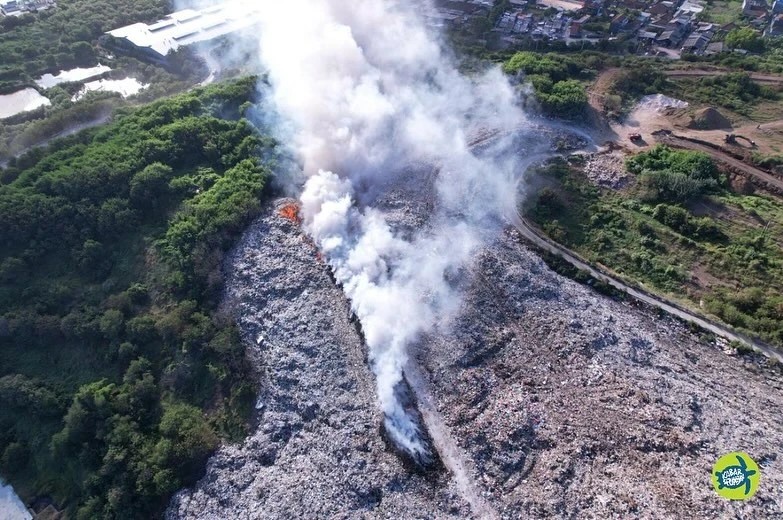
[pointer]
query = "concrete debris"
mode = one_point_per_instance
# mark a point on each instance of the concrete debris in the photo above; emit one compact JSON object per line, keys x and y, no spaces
{"x":607,"y":169}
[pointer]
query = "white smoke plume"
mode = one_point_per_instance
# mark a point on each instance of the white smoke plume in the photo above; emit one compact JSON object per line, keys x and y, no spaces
{"x":369,"y":92}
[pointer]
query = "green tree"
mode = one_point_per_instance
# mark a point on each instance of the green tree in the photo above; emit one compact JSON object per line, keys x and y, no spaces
{"x":14,"y":458}
{"x":93,"y":230}
{"x":674,"y":175}
{"x":192,"y":438}
{"x":112,"y":324}
{"x":745,"y":38}
{"x":150,"y":186}
{"x":566,"y":99}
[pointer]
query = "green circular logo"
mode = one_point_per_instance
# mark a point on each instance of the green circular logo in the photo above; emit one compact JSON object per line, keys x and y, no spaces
{"x":736,"y":476}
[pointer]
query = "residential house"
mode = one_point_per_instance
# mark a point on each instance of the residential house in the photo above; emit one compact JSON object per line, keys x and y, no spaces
{"x":593,"y":6}
{"x":646,"y":39}
{"x":9,"y":7}
{"x":696,"y":43}
{"x":634,"y":4}
{"x":669,"y":39}
{"x":661,"y":9}
{"x":687,"y":8}
{"x":755,"y":8}
{"x":714,"y":48}
{"x":726,"y":29}
{"x":575,"y":30}
{"x":776,"y":26}
{"x":523,"y":24}
{"x":619,"y":23}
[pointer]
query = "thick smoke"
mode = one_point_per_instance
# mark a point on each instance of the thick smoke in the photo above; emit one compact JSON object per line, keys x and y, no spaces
{"x":369,"y":93}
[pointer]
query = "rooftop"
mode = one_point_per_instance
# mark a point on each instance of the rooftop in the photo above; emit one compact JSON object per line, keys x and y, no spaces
{"x":190,"y":26}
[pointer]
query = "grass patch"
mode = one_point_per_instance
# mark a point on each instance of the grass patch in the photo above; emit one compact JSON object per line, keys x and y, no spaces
{"x":735,"y":91}
{"x":722,"y":12}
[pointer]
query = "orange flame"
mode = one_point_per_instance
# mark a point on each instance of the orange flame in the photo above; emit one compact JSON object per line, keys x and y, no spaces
{"x":291,"y":212}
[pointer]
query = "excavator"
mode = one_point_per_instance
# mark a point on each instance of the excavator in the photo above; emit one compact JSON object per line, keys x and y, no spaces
{"x":732,"y":139}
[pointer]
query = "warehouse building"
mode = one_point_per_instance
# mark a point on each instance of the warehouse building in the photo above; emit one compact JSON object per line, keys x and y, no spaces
{"x":182,"y":28}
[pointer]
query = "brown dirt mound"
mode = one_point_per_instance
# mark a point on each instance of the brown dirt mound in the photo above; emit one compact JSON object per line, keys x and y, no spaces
{"x":708,"y":119}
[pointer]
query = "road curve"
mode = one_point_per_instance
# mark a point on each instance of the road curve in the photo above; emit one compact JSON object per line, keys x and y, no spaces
{"x":530,"y":233}
{"x":700,"y":73}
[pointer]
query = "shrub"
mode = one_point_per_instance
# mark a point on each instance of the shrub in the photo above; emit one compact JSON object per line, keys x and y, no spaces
{"x":567,"y":98}
{"x":674,"y":175}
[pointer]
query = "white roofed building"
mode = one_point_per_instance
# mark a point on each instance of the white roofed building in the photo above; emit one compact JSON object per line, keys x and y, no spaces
{"x":182,"y":28}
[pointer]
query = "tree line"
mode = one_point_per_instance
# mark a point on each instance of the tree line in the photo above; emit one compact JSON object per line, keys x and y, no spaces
{"x":118,"y":373}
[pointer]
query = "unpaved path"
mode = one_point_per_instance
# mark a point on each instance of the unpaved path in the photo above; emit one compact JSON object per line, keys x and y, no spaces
{"x":452,"y":456}
{"x":600,"y":87}
{"x":701,"y":73}
{"x":532,"y":234}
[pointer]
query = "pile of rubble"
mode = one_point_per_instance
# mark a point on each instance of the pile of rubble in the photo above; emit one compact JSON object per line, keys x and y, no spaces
{"x":572,"y":405}
{"x":564,"y":403}
{"x":316,"y":450}
{"x":607,"y":169}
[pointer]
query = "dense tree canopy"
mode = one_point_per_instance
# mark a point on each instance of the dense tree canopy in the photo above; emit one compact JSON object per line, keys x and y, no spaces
{"x":64,"y":36}
{"x":566,"y":98}
{"x":553,"y":78}
{"x":118,"y":375}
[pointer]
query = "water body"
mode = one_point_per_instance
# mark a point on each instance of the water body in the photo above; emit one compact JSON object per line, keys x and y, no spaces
{"x":21,"y":101}
{"x":77,"y":74}
{"x":125,"y":87}
{"x":11,"y":506}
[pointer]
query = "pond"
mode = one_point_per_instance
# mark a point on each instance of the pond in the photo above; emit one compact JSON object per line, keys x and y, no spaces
{"x":21,"y":101}
{"x":11,"y":506}
{"x":125,"y":87}
{"x":77,"y":74}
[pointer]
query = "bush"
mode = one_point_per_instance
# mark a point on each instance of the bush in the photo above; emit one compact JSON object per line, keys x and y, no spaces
{"x":673,"y":216}
{"x":150,"y":186}
{"x":735,"y":90}
{"x":566,"y":99}
{"x":674,"y":175}
{"x":634,"y":82}
{"x":14,"y":458}
{"x":745,"y":38}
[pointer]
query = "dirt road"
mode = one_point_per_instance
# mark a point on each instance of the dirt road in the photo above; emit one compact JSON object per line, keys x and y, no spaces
{"x":601,"y":87}
{"x":537,"y":238}
{"x":700,"y":73}
{"x":766,"y":178}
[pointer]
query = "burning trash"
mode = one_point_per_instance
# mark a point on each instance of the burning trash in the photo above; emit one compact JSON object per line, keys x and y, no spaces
{"x":290,"y":212}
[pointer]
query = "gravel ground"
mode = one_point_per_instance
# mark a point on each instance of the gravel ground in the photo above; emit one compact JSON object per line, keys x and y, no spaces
{"x":554,"y":401}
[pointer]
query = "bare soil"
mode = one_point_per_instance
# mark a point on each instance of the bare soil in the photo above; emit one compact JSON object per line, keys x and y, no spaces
{"x":766,"y":132}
